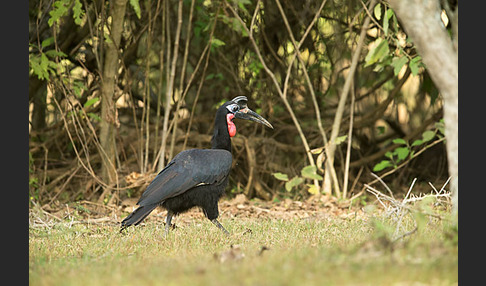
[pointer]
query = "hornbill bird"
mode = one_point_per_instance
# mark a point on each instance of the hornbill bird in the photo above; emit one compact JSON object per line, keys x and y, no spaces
{"x":196,"y":177}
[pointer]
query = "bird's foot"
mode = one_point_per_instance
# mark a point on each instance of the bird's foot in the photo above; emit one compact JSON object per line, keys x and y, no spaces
{"x":216,"y":223}
{"x":167,"y":229}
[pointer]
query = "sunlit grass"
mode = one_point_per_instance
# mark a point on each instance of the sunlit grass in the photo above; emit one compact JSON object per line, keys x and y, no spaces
{"x":300,"y":252}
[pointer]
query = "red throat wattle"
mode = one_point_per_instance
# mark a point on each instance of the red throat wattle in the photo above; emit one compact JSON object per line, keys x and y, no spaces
{"x":231,"y":125}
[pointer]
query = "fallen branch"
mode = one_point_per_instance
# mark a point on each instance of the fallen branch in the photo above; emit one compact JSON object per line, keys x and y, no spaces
{"x":397,"y":209}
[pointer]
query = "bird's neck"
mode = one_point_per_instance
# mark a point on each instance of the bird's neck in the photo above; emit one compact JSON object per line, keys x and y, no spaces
{"x":221,"y":137}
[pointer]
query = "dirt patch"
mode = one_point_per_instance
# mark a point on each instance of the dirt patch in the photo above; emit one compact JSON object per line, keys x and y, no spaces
{"x":240,"y":206}
{"x":320,"y":208}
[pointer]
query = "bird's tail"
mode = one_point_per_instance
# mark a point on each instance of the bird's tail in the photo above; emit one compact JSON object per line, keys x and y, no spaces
{"x":137,"y":216}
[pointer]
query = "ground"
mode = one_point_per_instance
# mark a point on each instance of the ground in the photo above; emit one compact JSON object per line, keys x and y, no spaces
{"x":317,"y":242}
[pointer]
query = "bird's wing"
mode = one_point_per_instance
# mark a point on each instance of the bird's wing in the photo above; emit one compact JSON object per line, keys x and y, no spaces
{"x":187,"y":170}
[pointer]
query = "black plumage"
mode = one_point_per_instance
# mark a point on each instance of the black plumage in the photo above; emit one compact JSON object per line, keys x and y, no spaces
{"x":196,"y":177}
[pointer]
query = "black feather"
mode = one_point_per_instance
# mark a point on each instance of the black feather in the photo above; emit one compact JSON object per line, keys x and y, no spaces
{"x":137,"y":216}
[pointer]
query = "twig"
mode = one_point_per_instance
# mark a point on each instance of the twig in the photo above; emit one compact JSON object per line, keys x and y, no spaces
{"x":410,"y":189}
{"x":277,"y":85}
{"x":206,"y":56}
{"x":377,"y":194}
{"x":330,"y":167}
{"x":408,"y":233}
{"x":435,"y":190}
{"x":445,"y":184}
{"x":408,"y":160}
{"x":182,"y":96}
{"x":257,"y":8}
{"x":86,"y":167}
{"x":401,"y":208}
{"x":348,"y":150}
{"x":147,"y":97}
{"x":383,"y":183}
{"x":272,"y":76}
{"x":66,"y":182}
{"x":168,"y":96}
{"x":347,"y":85}
{"x":354,"y":185}
{"x":161,"y":84}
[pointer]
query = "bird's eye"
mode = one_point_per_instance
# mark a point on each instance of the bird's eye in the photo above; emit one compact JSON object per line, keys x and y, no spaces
{"x":233,"y":108}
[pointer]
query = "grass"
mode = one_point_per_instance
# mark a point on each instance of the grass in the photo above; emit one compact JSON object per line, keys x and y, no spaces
{"x":327,"y":251}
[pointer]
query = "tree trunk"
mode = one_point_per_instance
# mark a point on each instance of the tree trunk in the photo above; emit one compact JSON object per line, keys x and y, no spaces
{"x":422,"y":22}
{"x":108,"y":110}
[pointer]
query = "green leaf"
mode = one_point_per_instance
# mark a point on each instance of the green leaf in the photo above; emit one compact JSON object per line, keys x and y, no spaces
{"x":317,"y":150}
{"x":210,"y":76}
{"x":281,"y":176}
{"x":94,"y":116}
{"x":309,"y":172}
{"x":399,"y":141}
{"x":292,"y":183}
{"x":398,"y":63}
{"x":242,"y":3}
{"x":386,"y":20}
{"x":378,"y":11}
{"x":136,"y":7}
{"x":91,"y":101}
{"x":313,"y":189}
{"x":402,"y":153}
{"x":414,"y":65}
{"x":417,"y":142}
{"x":385,"y":26}
{"x":237,"y":27}
{"x":394,"y":21}
{"x":59,"y":9}
{"x":340,"y":139}
{"x":107,"y":38}
{"x":378,"y":51}
{"x":78,"y":88}
{"x":440,"y":126}
{"x":428,"y":135}
{"x":41,"y":66}
{"x":34,"y":66}
{"x":217,"y":43}
{"x":54,"y":53}
{"x":382,"y":165}
{"x":47,"y":42}
{"x":389,"y":154}
{"x":78,"y":12}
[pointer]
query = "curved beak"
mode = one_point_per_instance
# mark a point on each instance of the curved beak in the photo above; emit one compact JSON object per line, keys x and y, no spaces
{"x":248,"y":114}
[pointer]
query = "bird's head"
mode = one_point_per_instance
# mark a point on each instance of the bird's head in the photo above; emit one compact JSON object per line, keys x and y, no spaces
{"x":238,"y":108}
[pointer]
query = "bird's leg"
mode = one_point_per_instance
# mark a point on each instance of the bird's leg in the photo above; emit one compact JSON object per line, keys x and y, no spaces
{"x":168,"y":221}
{"x":216,"y":223}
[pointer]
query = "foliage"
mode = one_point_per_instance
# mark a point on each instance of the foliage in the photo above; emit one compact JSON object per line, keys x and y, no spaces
{"x":136,"y":7}
{"x":406,"y":150}
{"x":44,"y":64}
{"x":380,"y":54}
{"x":308,"y":172}
{"x":217,"y":60}
{"x":61,"y":8}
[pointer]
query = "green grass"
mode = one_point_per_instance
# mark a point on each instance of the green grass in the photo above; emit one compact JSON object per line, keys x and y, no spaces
{"x":301,"y":252}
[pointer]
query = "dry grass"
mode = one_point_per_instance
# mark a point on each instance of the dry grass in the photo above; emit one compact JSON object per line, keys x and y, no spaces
{"x":322,"y":250}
